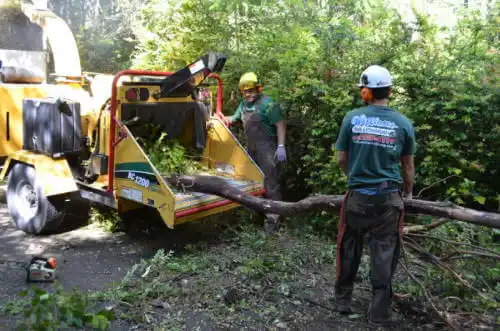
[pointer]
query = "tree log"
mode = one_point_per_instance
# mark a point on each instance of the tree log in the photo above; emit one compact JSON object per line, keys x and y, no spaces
{"x":332,"y":203}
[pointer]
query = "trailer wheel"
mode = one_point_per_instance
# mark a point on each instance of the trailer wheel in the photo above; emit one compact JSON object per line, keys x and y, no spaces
{"x":30,"y":209}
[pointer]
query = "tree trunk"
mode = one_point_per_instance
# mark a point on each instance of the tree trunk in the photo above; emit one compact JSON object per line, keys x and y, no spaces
{"x":332,"y":203}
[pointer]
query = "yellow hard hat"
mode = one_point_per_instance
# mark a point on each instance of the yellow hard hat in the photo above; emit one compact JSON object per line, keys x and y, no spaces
{"x":249,"y":80}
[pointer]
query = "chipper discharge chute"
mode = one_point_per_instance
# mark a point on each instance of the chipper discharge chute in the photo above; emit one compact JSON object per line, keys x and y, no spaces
{"x":151,"y":120}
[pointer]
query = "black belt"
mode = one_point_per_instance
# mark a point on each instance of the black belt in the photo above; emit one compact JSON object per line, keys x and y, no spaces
{"x":389,"y":184}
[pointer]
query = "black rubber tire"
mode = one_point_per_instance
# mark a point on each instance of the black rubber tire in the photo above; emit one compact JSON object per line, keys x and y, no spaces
{"x":39,"y":215}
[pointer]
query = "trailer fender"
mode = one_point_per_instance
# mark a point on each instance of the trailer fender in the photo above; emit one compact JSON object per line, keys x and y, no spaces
{"x":54,"y":175}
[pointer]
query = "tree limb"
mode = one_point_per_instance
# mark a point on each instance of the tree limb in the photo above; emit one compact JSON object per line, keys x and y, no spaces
{"x":451,"y":242}
{"x":434,"y":184}
{"x":423,"y":228}
{"x":467,"y":254}
{"x":440,"y":264}
{"x":426,"y":294}
{"x":218,"y":186}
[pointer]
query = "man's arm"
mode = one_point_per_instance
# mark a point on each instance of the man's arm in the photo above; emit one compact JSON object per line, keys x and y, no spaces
{"x":408,"y":175}
{"x":236,"y":116}
{"x":281,"y":131}
{"x":342,"y":145}
{"x":407,"y":163}
{"x":343,"y":158}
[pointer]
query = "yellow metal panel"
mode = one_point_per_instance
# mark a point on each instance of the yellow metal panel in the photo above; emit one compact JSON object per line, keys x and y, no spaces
{"x":11,"y":113}
{"x":54,"y":175}
{"x":62,"y":43}
{"x":11,"y":109}
{"x":225,"y":153}
{"x":206,"y":213}
{"x":137,"y":179}
{"x":126,"y":205}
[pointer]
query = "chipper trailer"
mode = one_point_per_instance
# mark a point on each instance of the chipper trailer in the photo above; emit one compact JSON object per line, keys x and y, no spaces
{"x":63,"y":155}
{"x":64,"y":141}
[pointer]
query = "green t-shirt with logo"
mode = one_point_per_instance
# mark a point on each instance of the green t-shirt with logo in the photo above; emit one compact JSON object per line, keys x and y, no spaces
{"x":269,"y":111}
{"x":375,"y":138}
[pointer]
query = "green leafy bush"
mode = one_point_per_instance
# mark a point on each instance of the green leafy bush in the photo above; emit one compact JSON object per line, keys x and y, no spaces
{"x":310,"y":55}
{"x":53,"y":311}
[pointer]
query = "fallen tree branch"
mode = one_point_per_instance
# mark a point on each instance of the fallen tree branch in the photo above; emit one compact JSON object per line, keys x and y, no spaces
{"x":427,"y":256}
{"x":218,"y":186}
{"x":426,"y":294}
{"x":451,"y":242}
{"x":467,"y":254}
{"x":423,"y":228}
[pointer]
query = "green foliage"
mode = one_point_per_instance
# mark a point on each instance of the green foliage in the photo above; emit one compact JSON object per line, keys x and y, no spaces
{"x":104,"y":31}
{"x":169,"y":156}
{"x":53,"y":311}
{"x":310,"y":55}
{"x":15,"y":4}
{"x":105,"y":218}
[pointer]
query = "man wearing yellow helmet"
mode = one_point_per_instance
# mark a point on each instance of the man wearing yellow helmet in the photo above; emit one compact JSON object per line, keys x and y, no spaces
{"x":265,"y":130}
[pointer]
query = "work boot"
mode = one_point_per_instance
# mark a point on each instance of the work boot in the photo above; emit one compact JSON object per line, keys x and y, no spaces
{"x":343,"y":302}
{"x":384,"y":321}
{"x":388,"y":319}
{"x":343,"y":306}
{"x":271,"y":224}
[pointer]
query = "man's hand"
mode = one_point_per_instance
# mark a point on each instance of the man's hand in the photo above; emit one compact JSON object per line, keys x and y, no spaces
{"x":408,"y":195}
{"x":227,"y":120}
{"x":280,"y":153}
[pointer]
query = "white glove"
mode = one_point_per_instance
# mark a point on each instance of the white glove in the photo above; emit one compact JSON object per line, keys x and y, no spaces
{"x":280,"y":154}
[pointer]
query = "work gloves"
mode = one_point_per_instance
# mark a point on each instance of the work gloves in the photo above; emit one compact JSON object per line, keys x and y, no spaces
{"x":280,"y":154}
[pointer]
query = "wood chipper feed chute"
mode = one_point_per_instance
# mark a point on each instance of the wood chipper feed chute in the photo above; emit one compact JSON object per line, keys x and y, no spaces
{"x":139,"y":182}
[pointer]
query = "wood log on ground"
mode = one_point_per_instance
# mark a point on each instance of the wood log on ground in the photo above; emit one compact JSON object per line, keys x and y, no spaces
{"x":331,"y":203}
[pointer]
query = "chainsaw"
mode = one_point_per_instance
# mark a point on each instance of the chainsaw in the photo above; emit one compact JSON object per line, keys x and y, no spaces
{"x":42,"y":270}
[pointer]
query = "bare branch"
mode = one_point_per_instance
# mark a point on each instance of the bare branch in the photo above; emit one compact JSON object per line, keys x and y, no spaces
{"x":468,"y":254}
{"x":427,"y":295}
{"x":434,"y":184}
{"x":427,"y":227}
{"x":440,"y":264}
{"x":451,"y":242}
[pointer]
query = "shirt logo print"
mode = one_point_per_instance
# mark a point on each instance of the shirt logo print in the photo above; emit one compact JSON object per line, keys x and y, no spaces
{"x":374,"y":131}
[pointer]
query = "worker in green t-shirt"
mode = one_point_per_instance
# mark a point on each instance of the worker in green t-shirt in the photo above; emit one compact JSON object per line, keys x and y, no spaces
{"x":265,"y":130}
{"x":373,"y":143}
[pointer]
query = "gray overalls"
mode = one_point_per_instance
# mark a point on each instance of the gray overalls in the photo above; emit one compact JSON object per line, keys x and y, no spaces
{"x":261,"y":147}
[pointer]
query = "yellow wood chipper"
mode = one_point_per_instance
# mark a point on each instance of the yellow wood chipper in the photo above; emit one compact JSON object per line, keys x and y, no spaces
{"x":62,"y":140}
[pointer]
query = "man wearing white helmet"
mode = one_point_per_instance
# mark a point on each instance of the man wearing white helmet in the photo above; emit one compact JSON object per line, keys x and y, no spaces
{"x":374,"y":143}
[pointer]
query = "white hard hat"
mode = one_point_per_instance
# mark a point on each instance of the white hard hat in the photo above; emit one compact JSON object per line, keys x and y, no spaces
{"x":375,"y":76}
